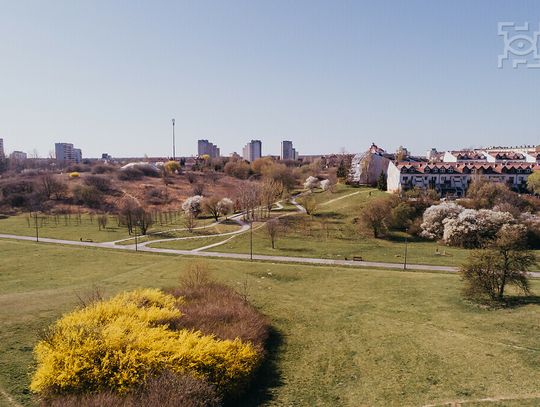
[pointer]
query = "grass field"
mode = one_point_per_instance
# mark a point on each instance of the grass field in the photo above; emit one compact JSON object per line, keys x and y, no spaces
{"x":343,"y":336}
{"x":225,"y":227}
{"x":69,"y":228}
{"x":331,"y":233}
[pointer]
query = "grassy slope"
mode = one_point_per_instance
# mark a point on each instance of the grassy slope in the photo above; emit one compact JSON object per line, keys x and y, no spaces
{"x":347,"y":337}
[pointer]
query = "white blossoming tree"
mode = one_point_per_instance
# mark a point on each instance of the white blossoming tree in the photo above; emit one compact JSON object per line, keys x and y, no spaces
{"x":432,"y":222}
{"x":193,"y":205}
{"x":325,"y":184}
{"x":475,"y":228}
{"x":311,"y":183}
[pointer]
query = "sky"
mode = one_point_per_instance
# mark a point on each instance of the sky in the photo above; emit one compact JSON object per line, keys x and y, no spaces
{"x":331,"y":75}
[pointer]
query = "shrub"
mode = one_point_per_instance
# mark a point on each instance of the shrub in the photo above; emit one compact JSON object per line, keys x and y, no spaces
{"x":376,"y":215}
{"x":123,"y":342}
{"x":99,"y":182}
{"x":214,"y":308}
{"x":238,"y":169}
{"x":88,"y":196}
{"x":103,"y":168}
{"x":74,"y":175}
{"x":166,"y":390}
{"x":130,"y":174}
{"x":172,"y":166}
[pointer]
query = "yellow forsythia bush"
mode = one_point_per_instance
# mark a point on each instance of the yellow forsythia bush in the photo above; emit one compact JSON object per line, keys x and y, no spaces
{"x":117,"y":344}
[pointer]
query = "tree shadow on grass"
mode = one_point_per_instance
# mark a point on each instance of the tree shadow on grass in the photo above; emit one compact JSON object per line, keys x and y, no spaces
{"x":329,"y":215}
{"x":267,"y":377}
{"x":400,"y":238}
{"x":514,"y":301}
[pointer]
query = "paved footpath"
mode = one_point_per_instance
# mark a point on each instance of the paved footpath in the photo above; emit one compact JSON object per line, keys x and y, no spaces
{"x":241,"y":256}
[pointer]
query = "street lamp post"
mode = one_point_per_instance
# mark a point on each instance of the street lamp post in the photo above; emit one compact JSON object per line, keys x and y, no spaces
{"x":37,"y":227}
{"x":173,"y":142}
{"x":251,"y":239}
{"x":405,"y":260}
{"x":136,"y":238}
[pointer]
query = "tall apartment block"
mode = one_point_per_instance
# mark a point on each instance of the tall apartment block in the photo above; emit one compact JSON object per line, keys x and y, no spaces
{"x":287,"y":151}
{"x":2,"y":152}
{"x":66,"y":153}
{"x":204,"y":147}
{"x":252,"y":150}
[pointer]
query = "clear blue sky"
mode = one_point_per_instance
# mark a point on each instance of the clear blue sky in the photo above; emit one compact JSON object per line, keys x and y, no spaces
{"x":109,"y":75}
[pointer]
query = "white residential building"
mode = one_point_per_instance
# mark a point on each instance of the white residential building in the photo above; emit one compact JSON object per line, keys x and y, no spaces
{"x":454,"y":178}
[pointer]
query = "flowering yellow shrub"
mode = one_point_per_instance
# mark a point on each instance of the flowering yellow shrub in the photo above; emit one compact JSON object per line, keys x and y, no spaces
{"x":74,"y":175}
{"x":117,"y":344}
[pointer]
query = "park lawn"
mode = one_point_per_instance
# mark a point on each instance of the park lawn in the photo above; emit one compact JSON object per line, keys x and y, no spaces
{"x":296,"y":244}
{"x":225,"y":227}
{"x":69,"y":228}
{"x":344,"y":336}
{"x":331,"y":233}
{"x":189,"y":244}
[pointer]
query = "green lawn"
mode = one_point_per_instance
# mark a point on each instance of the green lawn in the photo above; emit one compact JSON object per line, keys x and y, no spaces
{"x":344,"y":337}
{"x":225,"y":227}
{"x":70,"y":228}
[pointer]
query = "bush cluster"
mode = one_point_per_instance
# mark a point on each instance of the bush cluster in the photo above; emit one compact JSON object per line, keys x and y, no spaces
{"x":129,"y":340}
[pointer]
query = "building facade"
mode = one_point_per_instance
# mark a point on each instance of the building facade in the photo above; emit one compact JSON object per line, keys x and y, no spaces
{"x":66,"y":153}
{"x":453,"y":179}
{"x":288,"y":152}
{"x":252,"y":150}
{"x":367,"y":167}
{"x":18,"y":156}
{"x":2,"y":152}
{"x":204,"y":147}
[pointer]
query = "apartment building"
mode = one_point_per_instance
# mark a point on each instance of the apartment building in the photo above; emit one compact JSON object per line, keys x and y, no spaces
{"x":252,"y":150}
{"x":204,"y":147}
{"x":66,"y":153}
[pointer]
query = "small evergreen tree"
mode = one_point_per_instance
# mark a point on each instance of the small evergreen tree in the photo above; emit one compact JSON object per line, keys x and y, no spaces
{"x":342,"y":170}
{"x":381,"y":182}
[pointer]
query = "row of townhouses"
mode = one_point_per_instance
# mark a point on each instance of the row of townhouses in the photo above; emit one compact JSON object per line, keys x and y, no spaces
{"x":449,"y":172}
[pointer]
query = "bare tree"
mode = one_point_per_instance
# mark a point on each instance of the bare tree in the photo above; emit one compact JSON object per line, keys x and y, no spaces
{"x":310,"y":204}
{"x":198,"y":189}
{"x":211,"y":205}
{"x":272,"y":228}
{"x":270,"y":191}
{"x":248,"y":197}
{"x":53,"y":187}
{"x":102,"y":221}
{"x":127,"y":214}
{"x":189,"y":221}
{"x":143,"y":219}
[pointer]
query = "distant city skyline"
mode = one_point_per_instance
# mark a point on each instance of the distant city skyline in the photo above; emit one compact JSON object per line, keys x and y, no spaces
{"x":327,"y":75}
